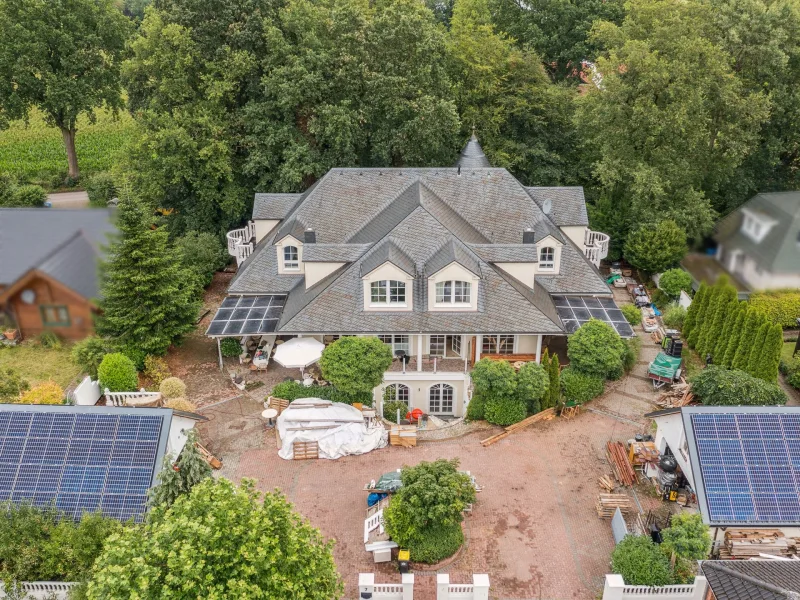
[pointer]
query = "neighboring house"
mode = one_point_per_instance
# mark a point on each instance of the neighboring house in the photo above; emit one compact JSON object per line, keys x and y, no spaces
{"x":758,"y":244}
{"x":445,"y":265}
{"x":752,"y":579}
{"x":49,"y":268}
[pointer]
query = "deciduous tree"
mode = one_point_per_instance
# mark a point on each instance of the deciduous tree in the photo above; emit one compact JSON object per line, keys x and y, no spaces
{"x":655,"y":249}
{"x":355,"y":364}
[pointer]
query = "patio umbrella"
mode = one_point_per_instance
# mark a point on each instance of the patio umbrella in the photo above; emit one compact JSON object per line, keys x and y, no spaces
{"x":299,"y":352}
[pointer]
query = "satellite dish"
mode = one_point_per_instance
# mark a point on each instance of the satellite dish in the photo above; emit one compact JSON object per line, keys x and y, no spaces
{"x":28,"y":296}
{"x":547,"y":206}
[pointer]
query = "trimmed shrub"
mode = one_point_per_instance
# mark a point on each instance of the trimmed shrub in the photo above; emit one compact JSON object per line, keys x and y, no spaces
{"x":579,"y":387}
{"x":101,"y":189}
{"x":291,"y":390}
{"x":437,"y":544}
{"x":641,"y":562}
{"x":44,"y":393}
{"x":533,"y":383}
{"x":156,"y":369}
{"x":88,"y":353}
{"x":717,"y":386}
{"x":181,"y":404}
{"x":632,"y":348}
{"x":596,"y":349}
{"x":117,"y":373}
{"x":137,"y":356}
{"x":476,"y":409}
{"x":674,"y":316}
{"x":230,"y":347}
{"x":505,"y":411}
{"x":780,"y":306}
{"x":29,"y":196}
{"x":172,"y":388}
{"x":633,"y":314}
{"x":390,"y":410}
{"x":355,"y":364}
{"x":675,"y":281}
{"x":11,"y":385}
{"x":553,"y":396}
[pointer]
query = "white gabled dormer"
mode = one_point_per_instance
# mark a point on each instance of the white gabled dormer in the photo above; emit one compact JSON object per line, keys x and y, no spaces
{"x":387,"y":276}
{"x":548,"y":251}
{"x":290,"y":255}
{"x":756,"y":225}
{"x":454,"y":279}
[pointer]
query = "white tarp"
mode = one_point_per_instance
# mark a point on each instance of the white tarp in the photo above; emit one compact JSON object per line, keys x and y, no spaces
{"x":339,"y":429}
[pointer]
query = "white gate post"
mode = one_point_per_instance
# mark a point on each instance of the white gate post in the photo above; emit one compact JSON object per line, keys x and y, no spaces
{"x":480,"y":590}
{"x":612,"y":590}
{"x":442,"y":586}
{"x":700,"y":585}
{"x":366,"y":584}
{"x":408,"y":586}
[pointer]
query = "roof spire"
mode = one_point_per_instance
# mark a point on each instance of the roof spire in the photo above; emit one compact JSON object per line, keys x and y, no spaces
{"x":472,"y":156}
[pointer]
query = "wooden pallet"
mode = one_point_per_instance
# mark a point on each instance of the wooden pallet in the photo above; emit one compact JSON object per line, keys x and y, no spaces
{"x":305,"y":450}
{"x":208,"y":457}
{"x":607,"y":505}
{"x":278,"y":404}
{"x":545,"y":415}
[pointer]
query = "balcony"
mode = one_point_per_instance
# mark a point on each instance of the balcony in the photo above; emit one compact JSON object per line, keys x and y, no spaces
{"x":241,"y":242}
{"x":595,"y":246}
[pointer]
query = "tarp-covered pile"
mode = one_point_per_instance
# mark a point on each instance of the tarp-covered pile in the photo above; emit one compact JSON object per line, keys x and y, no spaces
{"x":339,"y":429}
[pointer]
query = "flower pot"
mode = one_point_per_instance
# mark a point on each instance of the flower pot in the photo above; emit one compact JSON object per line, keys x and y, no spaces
{"x":10,"y":334}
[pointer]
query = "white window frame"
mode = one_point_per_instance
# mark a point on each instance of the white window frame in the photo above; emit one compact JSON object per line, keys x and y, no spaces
{"x":291,"y":264}
{"x":386,"y":286}
{"x":455,"y":344}
{"x":495,"y":340}
{"x":547,"y":264}
{"x":394,"y":392}
{"x":458,"y":288}
{"x":436,"y":394}
{"x":441,"y":342}
{"x":396,"y":342}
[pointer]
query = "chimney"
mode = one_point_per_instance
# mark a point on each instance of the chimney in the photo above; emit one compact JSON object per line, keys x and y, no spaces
{"x":527,"y":236}
{"x":309,"y":236}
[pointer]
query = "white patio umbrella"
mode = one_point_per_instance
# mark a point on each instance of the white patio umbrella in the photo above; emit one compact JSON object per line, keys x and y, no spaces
{"x":299,"y":352}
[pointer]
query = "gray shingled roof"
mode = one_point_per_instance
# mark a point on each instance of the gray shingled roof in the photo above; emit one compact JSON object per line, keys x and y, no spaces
{"x":472,"y":156}
{"x":450,"y":252}
{"x":779,"y":251}
{"x":259,"y":273}
{"x":333,"y":252}
{"x":494,"y":253}
{"x":294,"y":227}
{"x":567,"y":204}
{"x":75,"y":265}
{"x":274,"y":206}
{"x":576,"y":275}
{"x":753,"y":579}
{"x":387,"y":251}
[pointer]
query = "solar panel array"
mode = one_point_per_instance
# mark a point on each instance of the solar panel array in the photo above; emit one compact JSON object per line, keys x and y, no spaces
{"x":79,"y":462}
{"x":577,"y":310}
{"x":750,"y":465}
{"x":247,"y":315}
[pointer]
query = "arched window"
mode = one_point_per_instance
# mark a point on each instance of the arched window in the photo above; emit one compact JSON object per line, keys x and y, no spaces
{"x":387,"y":292}
{"x":453,"y":292}
{"x":547,"y":258}
{"x":440,"y":399}
{"x":291,"y":258}
{"x":396,"y":392}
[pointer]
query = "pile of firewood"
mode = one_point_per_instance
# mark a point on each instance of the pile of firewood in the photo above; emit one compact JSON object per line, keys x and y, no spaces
{"x":607,"y":505}
{"x":679,"y":395}
{"x":606,"y":482}
{"x":620,"y":465}
{"x":751,"y":543}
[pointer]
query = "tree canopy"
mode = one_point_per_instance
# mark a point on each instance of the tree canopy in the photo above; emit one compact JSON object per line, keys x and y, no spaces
{"x":355,"y":364}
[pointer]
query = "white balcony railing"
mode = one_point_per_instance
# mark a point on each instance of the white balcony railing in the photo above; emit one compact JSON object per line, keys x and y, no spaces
{"x":595,"y":246}
{"x":241,"y":242}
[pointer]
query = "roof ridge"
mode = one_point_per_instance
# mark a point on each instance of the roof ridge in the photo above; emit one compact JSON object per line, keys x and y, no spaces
{"x":516,"y":284}
{"x":381,"y":213}
{"x":76,"y":234}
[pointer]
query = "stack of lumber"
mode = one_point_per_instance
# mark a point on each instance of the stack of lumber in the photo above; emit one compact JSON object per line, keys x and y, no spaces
{"x":679,"y":395}
{"x":607,"y":505}
{"x":403,"y":435}
{"x":545,"y":415}
{"x":750,"y":543}
{"x":606,"y":482}
{"x":618,"y":459}
{"x":640,"y":453}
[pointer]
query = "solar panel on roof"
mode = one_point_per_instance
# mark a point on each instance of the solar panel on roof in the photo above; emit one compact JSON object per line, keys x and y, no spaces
{"x":247,"y":315}
{"x":81,"y":461}
{"x":574,"y":311}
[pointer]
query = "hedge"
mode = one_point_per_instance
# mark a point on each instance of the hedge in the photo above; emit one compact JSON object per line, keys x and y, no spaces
{"x":291,"y":390}
{"x":717,"y":386}
{"x":781,"y":306}
{"x":505,"y":411}
{"x":633,"y":315}
{"x":579,"y":387}
{"x":117,"y":373}
{"x":437,"y":544}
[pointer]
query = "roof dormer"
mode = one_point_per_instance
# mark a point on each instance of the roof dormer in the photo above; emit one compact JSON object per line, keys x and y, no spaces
{"x":454,"y":276}
{"x":387,"y":275}
{"x":756,"y":225}
{"x":548,"y":251}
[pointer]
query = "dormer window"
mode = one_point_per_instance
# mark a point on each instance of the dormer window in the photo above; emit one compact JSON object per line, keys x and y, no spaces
{"x":388,"y":292}
{"x":547,"y":258}
{"x":453,"y":292}
{"x":756,"y":226}
{"x":291,"y":258}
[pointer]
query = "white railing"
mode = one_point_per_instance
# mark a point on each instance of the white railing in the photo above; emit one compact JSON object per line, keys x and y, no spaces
{"x":372,"y":523}
{"x":40,"y":590}
{"x":140,"y":398}
{"x":595,"y":246}
{"x":615,"y":589}
{"x":477,"y":590}
{"x":367,"y":588}
{"x":240,"y":242}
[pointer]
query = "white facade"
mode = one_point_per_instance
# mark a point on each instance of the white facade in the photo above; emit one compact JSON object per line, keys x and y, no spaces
{"x":747,"y":270}
{"x":670,"y":433}
{"x":615,"y":589}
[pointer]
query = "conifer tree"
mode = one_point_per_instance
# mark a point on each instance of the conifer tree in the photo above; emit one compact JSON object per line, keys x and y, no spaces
{"x":732,"y":338}
{"x":545,"y":402}
{"x":754,"y":358}
{"x":146,"y":302}
{"x":770,"y":355}
{"x":731,"y":312}
{"x":180,"y":477}
{"x":699,"y":319}
{"x":752,"y":322}
{"x":725,"y":302}
{"x":704,"y":319}
{"x":694,"y":307}
{"x":555,"y":381}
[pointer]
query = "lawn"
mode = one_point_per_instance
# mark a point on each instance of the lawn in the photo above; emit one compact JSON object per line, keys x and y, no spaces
{"x":37,"y":364}
{"x":787,"y":351}
{"x":34,"y":152}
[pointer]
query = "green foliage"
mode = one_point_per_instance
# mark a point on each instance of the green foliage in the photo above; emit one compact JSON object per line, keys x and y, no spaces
{"x":202,"y":254}
{"x":696,"y":308}
{"x":595,"y":349}
{"x":145,"y":302}
{"x":579,"y":387}
{"x":48,"y":392}
{"x":100,"y":188}
{"x":476,"y":409}
{"x":29,"y":196}
{"x":675,"y":281}
{"x":133,"y":352}
{"x":291,"y":390}
{"x":230,"y":347}
{"x":533,"y":384}
{"x":506,"y":411}
{"x":733,"y":337}
{"x":88,"y":353}
{"x":117,"y":373}
{"x":633,"y":314}
{"x":674,"y":316}
{"x":747,"y":340}
{"x":656,"y":249}
{"x":496,"y":396}
{"x":641,"y":562}
{"x":687,"y":536}
{"x":554,"y":393}
{"x":172,"y":387}
{"x":433,"y":495}
{"x":12,"y":384}
{"x":223,"y":542}
{"x":390,"y":410}
{"x":780,"y":306}
{"x":355,"y":364}
{"x":437,"y":544}
{"x":721,"y":306}
{"x":770,"y":356}
{"x":181,"y":476}
{"x":156,"y":369}
{"x":494,"y":378}
{"x":717,"y":386}
{"x":49,"y":339}
{"x":632,"y":348}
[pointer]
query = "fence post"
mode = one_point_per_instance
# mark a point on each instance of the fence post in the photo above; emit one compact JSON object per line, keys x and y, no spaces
{"x":612,"y":590}
{"x":700,"y":585}
{"x":442,"y":586}
{"x":366,"y":584}
{"x":480,"y":589}
{"x":408,"y":586}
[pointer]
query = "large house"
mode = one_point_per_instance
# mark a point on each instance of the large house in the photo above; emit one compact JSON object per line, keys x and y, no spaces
{"x":758,"y":244}
{"x":445,"y":265}
{"x":49,"y":268}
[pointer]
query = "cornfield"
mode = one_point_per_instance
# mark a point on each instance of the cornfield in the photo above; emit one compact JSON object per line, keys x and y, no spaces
{"x":34,"y":153}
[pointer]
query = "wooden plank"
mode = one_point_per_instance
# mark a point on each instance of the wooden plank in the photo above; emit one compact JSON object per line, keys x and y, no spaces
{"x":305,"y":450}
{"x":540,"y":416}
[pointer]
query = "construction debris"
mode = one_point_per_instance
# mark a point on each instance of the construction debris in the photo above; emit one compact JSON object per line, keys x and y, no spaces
{"x":607,"y":483}
{"x":750,"y":543}
{"x":618,"y":459}
{"x":403,"y":435}
{"x":607,"y":505}
{"x":679,"y":395}
{"x":212,"y":460}
{"x":544,"y":415}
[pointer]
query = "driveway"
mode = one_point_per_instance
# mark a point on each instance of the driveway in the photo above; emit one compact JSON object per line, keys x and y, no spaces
{"x":68,"y":199}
